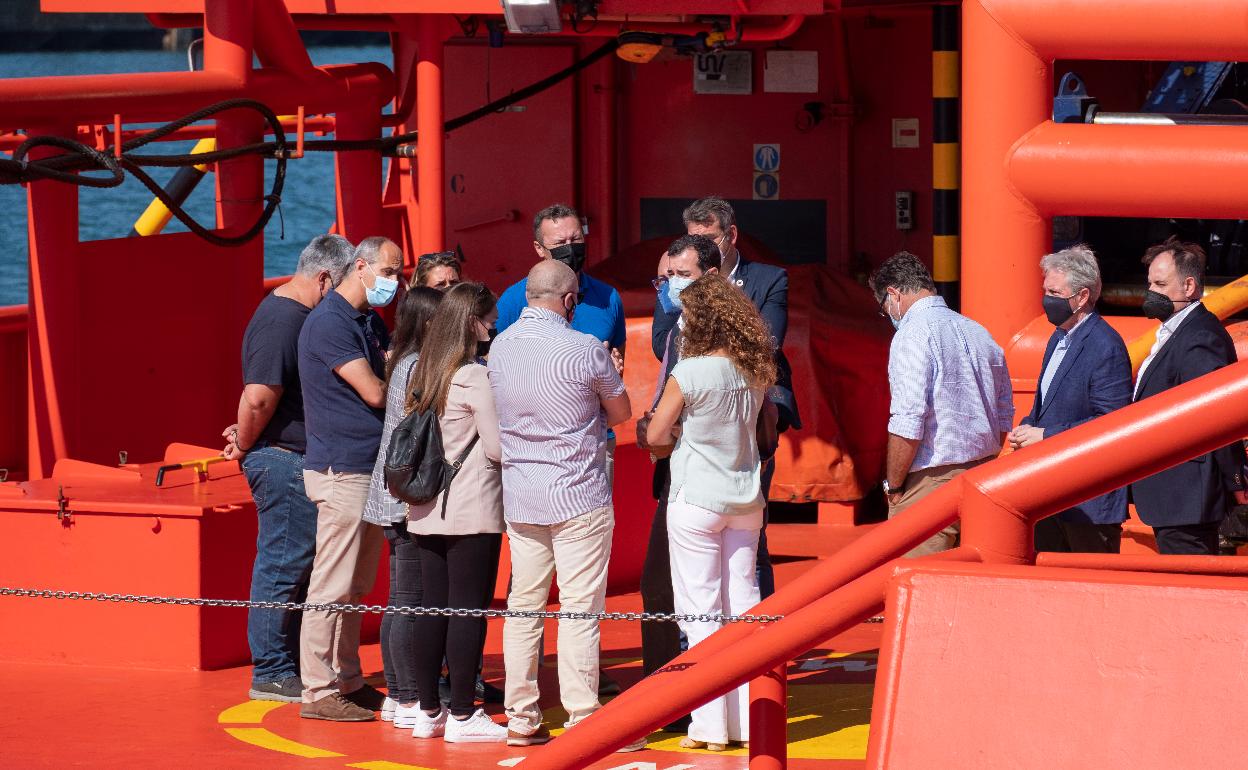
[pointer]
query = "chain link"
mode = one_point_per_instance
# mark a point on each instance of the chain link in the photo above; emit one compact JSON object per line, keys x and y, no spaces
{"x":662,"y":617}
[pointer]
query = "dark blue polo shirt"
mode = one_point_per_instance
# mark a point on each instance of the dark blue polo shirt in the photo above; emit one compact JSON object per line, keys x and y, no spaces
{"x":271,"y":357}
{"x":343,"y":431}
{"x":600,"y":313}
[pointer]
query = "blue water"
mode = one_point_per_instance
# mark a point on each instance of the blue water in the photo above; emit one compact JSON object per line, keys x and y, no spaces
{"x":307,"y":200}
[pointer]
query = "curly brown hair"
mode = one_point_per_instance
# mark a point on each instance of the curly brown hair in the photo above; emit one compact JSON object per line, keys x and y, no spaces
{"x":719,"y":317}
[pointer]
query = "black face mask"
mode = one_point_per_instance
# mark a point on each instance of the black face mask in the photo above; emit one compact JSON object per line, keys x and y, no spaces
{"x":1057,"y":309}
{"x":1158,"y":306}
{"x":571,"y":254}
{"x":483,"y":348}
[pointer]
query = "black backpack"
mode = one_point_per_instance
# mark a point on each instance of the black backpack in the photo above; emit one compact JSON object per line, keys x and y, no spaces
{"x":416,"y":469}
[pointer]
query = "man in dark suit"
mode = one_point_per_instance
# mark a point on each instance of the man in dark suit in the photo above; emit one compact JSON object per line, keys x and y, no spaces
{"x":767,"y":286}
{"x":1185,"y":504}
{"x":1086,"y":373}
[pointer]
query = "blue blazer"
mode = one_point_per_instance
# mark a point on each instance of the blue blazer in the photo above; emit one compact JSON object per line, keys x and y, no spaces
{"x":767,"y":286}
{"x":1093,"y":379}
{"x":1197,"y":491}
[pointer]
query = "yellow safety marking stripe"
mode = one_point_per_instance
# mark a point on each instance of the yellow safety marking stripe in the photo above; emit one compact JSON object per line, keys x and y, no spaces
{"x":945,"y":258}
{"x":945,"y":75}
{"x":945,"y":157}
{"x":258,"y":736}
{"x":384,"y":765}
{"x":250,"y":713}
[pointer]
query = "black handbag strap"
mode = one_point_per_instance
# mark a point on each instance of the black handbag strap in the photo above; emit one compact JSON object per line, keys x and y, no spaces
{"x":453,"y":471}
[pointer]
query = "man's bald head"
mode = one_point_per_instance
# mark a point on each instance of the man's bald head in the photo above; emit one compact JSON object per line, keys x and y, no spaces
{"x":548,"y":283}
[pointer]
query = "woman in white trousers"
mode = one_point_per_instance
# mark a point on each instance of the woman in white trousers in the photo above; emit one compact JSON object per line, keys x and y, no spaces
{"x":710,"y":407}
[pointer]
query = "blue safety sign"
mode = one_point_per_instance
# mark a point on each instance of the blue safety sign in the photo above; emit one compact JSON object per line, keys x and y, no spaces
{"x":766,"y":186}
{"x":767,"y":157}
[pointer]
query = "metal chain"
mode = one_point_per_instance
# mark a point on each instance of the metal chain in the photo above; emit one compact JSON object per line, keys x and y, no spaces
{"x":662,"y":617}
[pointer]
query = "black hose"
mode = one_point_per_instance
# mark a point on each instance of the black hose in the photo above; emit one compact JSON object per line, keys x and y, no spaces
{"x":80,"y":157}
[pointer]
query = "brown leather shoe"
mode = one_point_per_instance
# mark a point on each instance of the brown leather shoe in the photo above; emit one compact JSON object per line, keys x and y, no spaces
{"x":335,"y":708}
{"x":536,"y":738}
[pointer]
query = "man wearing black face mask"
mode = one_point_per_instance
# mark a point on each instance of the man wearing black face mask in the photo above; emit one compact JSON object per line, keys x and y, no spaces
{"x":1086,"y":373}
{"x":1185,"y":504}
{"x":599,"y":311}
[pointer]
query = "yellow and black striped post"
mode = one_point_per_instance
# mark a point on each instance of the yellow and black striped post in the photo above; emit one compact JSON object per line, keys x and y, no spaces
{"x":180,"y":187}
{"x":946,"y":107}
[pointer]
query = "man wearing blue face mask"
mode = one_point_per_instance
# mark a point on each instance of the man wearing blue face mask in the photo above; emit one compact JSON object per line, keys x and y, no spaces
{"x":688,"y":259}
{"x":952,"y":403}
{"x":341,"y":367}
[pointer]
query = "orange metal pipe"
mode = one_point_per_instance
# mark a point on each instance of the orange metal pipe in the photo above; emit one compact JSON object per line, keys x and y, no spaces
{"x":14,"y":318}
{"x":279,"y":45}
{"x":1006,"y":92}
{"x":677,"y":689}
{"x":431,"y":138}
{"x":769,"y":711}
{"x":1197,"y":565}
{"x":86,"y":134}
{"x":1148,"y":30}
{"x":149,"y":97}
{"x":1133,"y":171}
{"x":228,"y":49}
{"x":1091,"y":459}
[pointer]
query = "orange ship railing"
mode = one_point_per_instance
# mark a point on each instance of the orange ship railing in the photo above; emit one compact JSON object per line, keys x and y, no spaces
{"x":998,"y":503}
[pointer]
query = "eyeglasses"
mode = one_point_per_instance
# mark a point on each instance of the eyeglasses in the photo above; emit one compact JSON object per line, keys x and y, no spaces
{"x":438,"y":255}
{"x":658,"y":282}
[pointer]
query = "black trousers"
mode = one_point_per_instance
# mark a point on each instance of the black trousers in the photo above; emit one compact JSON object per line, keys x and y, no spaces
{"x":398,"y":632}
{"x":660,"y":642}
{"x":1188,"y":538}
{"x":1053,"y":534}
{"x":456,"y":571}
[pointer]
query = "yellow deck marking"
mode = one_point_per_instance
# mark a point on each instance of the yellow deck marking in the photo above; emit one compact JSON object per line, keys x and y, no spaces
{"x":250,"y":713}
{"x":384,"y":765}
{"x":258,"y":736}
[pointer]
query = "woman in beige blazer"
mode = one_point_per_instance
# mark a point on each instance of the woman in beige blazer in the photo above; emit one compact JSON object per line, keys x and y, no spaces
{"x":458,"y":544}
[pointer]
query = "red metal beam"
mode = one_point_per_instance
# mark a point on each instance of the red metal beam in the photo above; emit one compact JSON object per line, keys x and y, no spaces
{"x":1139,"y":562}
{"x":151,"y":97}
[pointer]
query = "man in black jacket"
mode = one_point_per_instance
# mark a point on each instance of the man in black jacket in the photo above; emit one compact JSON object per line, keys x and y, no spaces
{"x":1185,"y":504}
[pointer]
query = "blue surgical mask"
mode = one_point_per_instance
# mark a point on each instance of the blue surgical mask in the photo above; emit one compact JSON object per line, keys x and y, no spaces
{"x":666,"y":302}
{"x":383,"y":290}
{"x":675,"y":285}
{"x":896,"y":322}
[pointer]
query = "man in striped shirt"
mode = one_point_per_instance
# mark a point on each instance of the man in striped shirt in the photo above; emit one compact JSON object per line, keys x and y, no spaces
{"x":952,"y":403}
{"x":557,"y":392}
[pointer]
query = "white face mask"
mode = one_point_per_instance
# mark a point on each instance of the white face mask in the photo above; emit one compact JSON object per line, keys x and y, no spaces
{"x":675,"y":285}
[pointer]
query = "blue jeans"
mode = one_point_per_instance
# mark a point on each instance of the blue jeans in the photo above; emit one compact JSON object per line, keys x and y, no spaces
{"x":285,"y":547}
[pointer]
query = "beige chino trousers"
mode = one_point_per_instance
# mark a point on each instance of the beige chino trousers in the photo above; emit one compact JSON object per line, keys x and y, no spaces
{"x":348,"y":550}
{"x":575,"y":552}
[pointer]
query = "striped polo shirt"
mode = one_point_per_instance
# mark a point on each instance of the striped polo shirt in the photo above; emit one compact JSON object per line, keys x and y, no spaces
{"x":549,"y":382}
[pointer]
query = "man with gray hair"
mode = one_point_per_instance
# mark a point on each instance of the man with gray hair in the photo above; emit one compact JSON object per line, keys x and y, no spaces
{"x":1086,"y":373}
{"x":342,"y":356}
{"x":557,"y":392}
{"x":952,"y":403}
{"x":270,"y":440}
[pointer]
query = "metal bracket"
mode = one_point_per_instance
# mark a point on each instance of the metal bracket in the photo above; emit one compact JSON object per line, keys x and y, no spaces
{"x":122,"y":457}
{"x":4,"y":475}
{"x":63,"y":514}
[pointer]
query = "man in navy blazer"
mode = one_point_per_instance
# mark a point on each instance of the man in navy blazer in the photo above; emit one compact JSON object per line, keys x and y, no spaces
{"x":1086,"y":373}
{"x":1185,"y":504}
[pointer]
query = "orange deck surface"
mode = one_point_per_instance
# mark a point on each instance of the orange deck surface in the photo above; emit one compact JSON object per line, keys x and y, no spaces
{"x":64,"y":716}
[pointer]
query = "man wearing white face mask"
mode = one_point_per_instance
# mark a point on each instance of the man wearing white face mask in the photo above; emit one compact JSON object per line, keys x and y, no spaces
{"x":341,"y":367}
{"x":952,"y":403}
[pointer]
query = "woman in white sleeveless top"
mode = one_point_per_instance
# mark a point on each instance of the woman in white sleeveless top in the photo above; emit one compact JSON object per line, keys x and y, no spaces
{"x":710,"y":406}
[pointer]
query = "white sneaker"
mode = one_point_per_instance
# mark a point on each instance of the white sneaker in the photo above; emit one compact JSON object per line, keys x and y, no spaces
{"x":406,"y":716}
{"x":478,"y":728}
{"x":387,"y":709}
{"x":427,"y":726}
{"x":636,"y":745}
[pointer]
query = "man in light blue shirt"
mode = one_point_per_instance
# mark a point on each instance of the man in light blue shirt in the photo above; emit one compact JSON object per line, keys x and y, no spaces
{"x":952,"y":403}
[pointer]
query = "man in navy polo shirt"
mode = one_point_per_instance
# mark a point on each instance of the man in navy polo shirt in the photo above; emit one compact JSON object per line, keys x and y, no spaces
{"x":558,"y":235}
{"x":269,"y":441}
{"x":342,"y":354}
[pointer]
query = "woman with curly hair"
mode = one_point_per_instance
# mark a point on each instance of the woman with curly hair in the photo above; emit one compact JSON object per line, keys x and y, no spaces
{"x":715,"y":503}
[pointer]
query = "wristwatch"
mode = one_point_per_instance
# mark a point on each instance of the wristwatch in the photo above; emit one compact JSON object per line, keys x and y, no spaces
{"x":887,"y":489}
